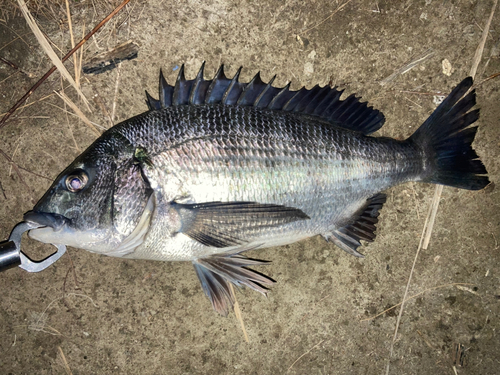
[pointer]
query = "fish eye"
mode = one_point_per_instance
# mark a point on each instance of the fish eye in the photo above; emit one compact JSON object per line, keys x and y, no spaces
{"x":76,"y":181}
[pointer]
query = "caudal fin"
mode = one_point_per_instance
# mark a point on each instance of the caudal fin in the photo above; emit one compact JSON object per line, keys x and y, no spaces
{"x":446,"y":140}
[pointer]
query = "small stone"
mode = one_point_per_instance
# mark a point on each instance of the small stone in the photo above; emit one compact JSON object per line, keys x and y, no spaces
{"x":447,"y":68}
{"x":308,"y":68}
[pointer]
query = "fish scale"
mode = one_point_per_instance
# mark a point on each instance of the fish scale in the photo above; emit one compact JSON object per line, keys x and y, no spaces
{"x":230,"y":159}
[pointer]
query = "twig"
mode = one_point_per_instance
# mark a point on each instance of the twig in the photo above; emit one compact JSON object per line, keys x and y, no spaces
{"x":424,"y":232}
{"x":237,"y":312}
{"x":18,"y":36}
{"x":413,"y":296}
{"x":432,"y":219}
{"x":30,"y":104}
{"x":3,"y":191}
{"x":408,"y":66}
{"x":327,"y":18}
{"x":17,"y":148}
{"x":480,"y":48}
{"x":39,"y":322}
{"x":33,"y":173}
{"x":42,"y":40}
{"x":81,"y":58}
{"x":77,"y":110}
{"x":13,"y":40}
{"x":75,"y":115}
{"x":117,"y":84}
{"x":75,"y":61}
{"x":100,"y":103}
{"x":16,"y":168}
{"x":68,"y":55}
{"x":14,"y":66}
{"x":298,"y":359}
{"x":65,"y":362}
{"x":426,"y":341}
{"x":417,"y":92}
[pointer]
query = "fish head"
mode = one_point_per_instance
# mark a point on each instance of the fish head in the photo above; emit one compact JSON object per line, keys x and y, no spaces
{"x":96,"y":202}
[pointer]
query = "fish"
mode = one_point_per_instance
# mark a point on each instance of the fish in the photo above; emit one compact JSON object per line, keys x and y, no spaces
{"x":218,"y":167}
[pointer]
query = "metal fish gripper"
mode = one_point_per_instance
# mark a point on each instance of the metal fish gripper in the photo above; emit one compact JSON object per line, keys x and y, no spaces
{"x":12,"y":256}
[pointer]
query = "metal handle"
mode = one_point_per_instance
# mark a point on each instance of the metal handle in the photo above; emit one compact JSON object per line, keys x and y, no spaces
{"x":10,"y":256}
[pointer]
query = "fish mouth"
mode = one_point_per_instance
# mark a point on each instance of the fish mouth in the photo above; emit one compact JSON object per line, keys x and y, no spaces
{"x":51,"y":228}
{"x":45,"y":219}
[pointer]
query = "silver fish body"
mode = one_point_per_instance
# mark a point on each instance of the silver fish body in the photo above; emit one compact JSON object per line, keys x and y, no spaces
{"x":218,"y":167}
{"x":238,"y":154}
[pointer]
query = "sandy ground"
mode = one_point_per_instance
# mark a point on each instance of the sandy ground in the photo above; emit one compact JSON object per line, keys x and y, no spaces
{"x":111,"y":315}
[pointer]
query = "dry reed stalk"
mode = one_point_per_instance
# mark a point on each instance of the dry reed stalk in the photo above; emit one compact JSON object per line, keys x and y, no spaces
{"x":310,"y":350}
{"x":408,"y":66}
{"x":65,"y":362}
{"x":75,"y":61}
{"x":339,"y":8}
{"x":237,"y":312}
{"x":458,"y":285}
{"x":48,"y":49}
{"x":480,"y":48}
{"x":77,"y":110}
{"x":67,"y":56}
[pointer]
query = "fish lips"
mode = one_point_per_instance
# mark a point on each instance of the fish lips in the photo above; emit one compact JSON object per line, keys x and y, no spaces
{"x":51,"y":227}
{"x":46,"y":219}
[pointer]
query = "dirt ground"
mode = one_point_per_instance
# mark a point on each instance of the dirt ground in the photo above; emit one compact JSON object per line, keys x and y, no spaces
{"x":91,"y":314}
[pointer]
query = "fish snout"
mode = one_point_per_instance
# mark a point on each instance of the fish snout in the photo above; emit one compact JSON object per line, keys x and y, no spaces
{"x":54,"y":221}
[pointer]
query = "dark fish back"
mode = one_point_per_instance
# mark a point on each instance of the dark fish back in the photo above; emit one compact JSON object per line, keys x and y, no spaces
{"x":322,"y":102}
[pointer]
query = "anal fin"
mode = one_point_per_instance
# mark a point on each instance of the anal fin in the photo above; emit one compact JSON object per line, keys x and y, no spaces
{"x":361,"y":227}
{"x":217,"y":271}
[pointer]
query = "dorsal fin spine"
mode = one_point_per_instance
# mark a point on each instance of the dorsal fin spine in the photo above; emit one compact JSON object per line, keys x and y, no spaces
{"x":329,"y":98}
{"x":152,"y":102}
{"x":193,"y":96}
{"x":179,"y":85}
{"x":357,"y":112}
{"x":231,"y":86}
{"x":246,"y":97}
{"x":323,"y":102}
{"x":292,"y":102}
{"x":266,"y":89}
{"x":275,"y":103}
{"x":218,"y":79}
{"x":165,"y":92}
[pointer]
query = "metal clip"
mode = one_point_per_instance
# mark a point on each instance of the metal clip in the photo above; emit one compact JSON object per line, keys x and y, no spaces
{"x":11,"y":254}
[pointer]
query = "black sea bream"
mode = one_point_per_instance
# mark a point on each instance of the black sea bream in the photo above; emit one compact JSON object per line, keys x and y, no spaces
{"x":218,"y":167}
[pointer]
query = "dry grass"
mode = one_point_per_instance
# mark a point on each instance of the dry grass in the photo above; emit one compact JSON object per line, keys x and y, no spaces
{"x":42,"y":40}
{"x":50,"y":8}
{"x":78,"y":112}
{"x":64,"y":361}
{"x":457,"y":285}
{"x":237,"y":312}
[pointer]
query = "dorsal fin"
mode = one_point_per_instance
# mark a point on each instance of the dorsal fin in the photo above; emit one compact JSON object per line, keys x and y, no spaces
{"x":323,"y":102}
{"x":234,"y":90}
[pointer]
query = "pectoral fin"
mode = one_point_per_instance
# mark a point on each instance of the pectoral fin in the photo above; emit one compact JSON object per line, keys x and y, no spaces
{"x":225,"y":224}
{"x":217,"y":271}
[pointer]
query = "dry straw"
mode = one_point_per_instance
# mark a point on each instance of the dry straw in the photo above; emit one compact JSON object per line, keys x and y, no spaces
{"x":78,"y":112}
{"x":48,"y":49}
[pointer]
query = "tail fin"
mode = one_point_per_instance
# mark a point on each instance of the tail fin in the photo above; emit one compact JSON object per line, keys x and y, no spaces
{"x":447,"y":141}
